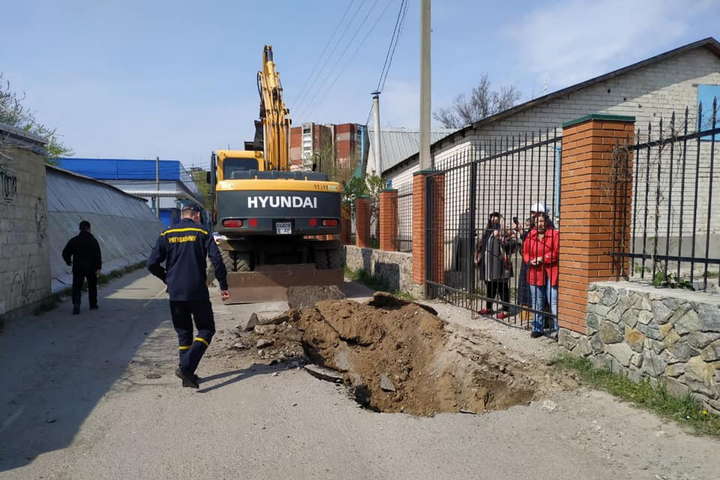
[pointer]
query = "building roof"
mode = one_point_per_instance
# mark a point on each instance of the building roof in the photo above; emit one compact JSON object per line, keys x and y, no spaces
{"x":62,"y":171}
{"x":709,"y":43}
{"x":10,"y":135}
{"x":122,"y":168}
{"x":399,"y":144}
{"x":112,"y":169}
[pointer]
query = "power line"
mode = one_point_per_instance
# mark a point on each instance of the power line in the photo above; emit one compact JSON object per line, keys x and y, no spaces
{"x":318,"y":90}
{"x":313,"y":71}
{"x":359,"y":45}
{"x":318,"y":73}
{"x":392,"y":42}
{"x":367,"y":120}
{"x":401,"y":17}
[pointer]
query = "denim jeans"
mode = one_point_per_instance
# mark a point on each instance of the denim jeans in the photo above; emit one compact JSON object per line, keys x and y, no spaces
{"x":539,"y":295}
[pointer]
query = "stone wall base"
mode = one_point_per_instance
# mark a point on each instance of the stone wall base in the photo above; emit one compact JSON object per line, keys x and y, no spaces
{"x":394,"y":268}
{"x":661,"y":335}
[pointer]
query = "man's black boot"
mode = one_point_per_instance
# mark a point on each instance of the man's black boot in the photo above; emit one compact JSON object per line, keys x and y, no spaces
{"x":76,"y":310}
{"x":191,"y":381}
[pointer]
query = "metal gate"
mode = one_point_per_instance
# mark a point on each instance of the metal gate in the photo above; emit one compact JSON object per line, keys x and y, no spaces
{"x":478,"y":264}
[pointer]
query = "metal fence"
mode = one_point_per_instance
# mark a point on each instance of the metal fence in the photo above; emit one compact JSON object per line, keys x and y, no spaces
{"x":674,"y":231}
{"x":482,"y":267}
{"x":404,"y":220}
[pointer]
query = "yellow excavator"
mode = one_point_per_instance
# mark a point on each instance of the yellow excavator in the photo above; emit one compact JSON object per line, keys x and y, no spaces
{"x":268,"y":219}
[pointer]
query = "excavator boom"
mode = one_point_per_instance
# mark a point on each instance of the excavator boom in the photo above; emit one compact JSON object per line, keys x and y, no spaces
{"x":274,"y":115}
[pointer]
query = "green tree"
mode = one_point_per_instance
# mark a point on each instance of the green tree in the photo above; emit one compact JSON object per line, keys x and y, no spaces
{"x":199,"y":176}
{"x":14,"y":113}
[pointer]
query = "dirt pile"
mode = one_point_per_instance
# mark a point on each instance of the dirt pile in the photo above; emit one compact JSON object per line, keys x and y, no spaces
{"x":397,"y":356}
{"x":274,"y":340}
{"x":308,"y":295}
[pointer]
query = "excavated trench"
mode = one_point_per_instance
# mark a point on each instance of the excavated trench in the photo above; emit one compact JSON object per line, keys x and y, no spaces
{"x":397,"y":356}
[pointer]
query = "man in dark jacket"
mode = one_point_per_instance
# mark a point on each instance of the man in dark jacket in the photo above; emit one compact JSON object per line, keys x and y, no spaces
{"x":83,"y":253}
{"x":183,"y":247}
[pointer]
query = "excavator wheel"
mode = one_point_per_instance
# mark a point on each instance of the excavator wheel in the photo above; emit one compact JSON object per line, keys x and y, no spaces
{"x":236,"y":261}
{"x":321,"y":259}
{"x":242,"y":262}
{"x":335,"y":259}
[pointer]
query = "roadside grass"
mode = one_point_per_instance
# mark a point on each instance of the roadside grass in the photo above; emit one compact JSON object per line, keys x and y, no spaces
{"x":374,"y":283}
{"x":685,"y":410}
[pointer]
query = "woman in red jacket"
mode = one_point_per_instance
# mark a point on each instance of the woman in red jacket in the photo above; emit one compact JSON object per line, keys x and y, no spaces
{"x":540,"y":252}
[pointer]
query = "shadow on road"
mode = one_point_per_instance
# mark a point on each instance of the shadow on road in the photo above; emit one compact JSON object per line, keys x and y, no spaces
{"x":57,"y":367}
{"x":356,"y":290}
{"x":242,"y":374}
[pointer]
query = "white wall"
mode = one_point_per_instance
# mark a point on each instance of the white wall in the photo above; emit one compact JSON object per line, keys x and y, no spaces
{"x":24,"y":269}
{"x":124,"y":225}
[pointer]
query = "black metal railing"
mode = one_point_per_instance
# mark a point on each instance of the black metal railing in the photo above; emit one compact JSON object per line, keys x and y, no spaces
{"x":674,"y":229}
{"x":508,"y":176}
{"x":404,"y":220}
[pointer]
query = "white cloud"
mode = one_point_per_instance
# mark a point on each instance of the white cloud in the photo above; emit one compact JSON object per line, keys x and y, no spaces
{"x":576,"y":40}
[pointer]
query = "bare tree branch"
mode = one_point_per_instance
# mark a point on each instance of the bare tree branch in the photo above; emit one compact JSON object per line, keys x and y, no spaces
{"x":483,"y":102}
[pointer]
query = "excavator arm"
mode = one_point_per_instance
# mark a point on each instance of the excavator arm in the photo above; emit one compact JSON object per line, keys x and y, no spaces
{"x":274,"y":115}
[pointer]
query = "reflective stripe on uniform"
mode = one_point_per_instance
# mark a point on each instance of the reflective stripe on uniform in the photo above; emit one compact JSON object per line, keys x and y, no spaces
{"x":189,"y":229}
{"x":184,"y":347}
{"x":198,"y":339}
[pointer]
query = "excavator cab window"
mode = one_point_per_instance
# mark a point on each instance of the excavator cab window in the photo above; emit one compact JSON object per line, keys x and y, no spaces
{"x":231,"y":166}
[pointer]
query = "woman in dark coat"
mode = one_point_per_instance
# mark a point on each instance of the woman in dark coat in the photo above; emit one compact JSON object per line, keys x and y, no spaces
{"x":492,"y":257}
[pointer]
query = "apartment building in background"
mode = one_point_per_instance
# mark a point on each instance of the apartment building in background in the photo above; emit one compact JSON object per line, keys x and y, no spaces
{"x":313,"y":143}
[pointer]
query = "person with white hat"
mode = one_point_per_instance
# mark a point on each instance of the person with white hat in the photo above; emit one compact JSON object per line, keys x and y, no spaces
{"x":541,"y":251}
{"x":538,"y":209}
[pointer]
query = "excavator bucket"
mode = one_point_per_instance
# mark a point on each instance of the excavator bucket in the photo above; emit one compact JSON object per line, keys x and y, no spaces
{"x":271,"y":282}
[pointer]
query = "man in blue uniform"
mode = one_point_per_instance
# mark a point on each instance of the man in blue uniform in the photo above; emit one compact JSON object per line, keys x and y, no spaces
{"x":183,"y":247}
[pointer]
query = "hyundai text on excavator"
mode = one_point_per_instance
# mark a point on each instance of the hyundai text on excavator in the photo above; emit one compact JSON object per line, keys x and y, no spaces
{"x":268,"y":218}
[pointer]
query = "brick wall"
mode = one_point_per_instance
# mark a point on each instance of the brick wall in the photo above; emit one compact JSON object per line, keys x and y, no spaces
{"x":388,"y":220}
{"x":296,"y":146}
{"x":24,"y":266}
{"x":362,"y":222}
{"x":419,"y":226}
{"x":591,"y":209}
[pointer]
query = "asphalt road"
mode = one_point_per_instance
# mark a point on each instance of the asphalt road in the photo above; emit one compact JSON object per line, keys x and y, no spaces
{"x":94,"y":397}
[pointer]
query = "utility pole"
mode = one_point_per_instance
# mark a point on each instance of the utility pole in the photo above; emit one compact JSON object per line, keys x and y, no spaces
{"x":426,"y":162}
{"x":157,"y":185}
{"x":376,"y":121}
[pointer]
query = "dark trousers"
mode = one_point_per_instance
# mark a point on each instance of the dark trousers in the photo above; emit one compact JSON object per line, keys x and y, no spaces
{"x":192,"y":348}
{"x":78,"y":281}
{"x":495,"y":288}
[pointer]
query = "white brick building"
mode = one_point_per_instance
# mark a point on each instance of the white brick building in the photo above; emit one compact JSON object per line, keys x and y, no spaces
{"x":24,"y":268}
{"x":648,"y":90}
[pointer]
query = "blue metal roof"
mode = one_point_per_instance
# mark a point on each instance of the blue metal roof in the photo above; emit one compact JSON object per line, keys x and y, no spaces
{"x":122,"y":169}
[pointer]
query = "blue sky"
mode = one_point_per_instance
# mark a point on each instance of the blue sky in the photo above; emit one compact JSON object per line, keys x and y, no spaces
{"x":134,"y":79}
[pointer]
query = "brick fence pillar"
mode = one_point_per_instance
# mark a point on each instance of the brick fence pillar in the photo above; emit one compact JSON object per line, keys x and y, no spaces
{"x":362,"y":222}
{"x":388,"y":220}
{"x":592,"y":209}
{"x":421,"y":230}
{"x":345,"y":225}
